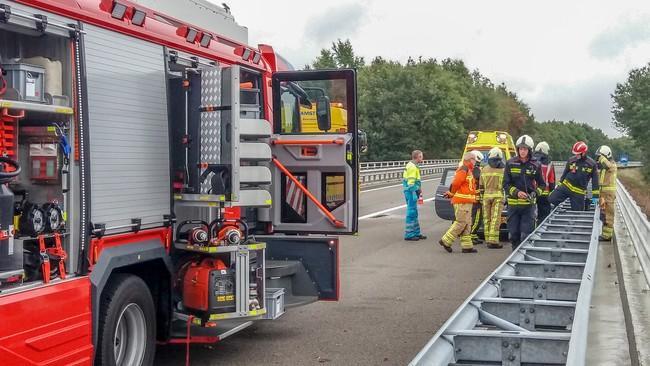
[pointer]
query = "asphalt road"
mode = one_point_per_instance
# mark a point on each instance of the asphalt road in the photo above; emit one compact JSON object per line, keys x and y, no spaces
{"x":395,"y":295}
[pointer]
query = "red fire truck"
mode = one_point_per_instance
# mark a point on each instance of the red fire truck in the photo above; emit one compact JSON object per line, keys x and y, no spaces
{"x":154,"y":187}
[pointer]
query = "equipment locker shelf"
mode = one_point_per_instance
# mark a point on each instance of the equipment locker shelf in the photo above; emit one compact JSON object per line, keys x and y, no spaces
{"x":240,"y":256}
{"x":35,"y":107}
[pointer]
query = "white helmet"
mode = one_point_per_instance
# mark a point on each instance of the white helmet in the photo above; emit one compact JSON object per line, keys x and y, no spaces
{"x":526,"y":141}
{"x":543,"y":147}
{"x":604,"y":151}
{"x":495,"y":152}
{"x":477,"y":155}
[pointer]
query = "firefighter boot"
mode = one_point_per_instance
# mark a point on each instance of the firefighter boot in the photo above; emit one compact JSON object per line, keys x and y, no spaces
{"x":447,"y":248}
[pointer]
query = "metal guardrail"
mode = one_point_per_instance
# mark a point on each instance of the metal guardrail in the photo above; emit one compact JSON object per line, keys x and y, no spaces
{"x":534,"y":308}
{"x":385,"y":174}
{"x":638,"y":227}
{"x":401,"y":163}
{"x":631,"y":164}
{"x":385,"y":171}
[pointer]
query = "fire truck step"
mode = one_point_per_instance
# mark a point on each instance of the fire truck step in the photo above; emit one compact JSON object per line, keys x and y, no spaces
{"x":224,"y":329}
{"x":294,"y":278}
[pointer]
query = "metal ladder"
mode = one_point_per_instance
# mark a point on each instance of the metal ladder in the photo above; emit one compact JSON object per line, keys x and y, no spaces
{"x":534,"y":308}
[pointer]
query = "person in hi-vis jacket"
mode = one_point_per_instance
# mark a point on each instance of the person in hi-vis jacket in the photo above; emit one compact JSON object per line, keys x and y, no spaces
{"x":412,"y":184}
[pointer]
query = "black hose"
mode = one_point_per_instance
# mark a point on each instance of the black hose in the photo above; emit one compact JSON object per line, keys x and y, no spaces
{"x":190,"y":222}
{"x":6,"y":177}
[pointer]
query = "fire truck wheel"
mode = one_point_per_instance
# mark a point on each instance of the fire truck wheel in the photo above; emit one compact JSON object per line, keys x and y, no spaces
{"x":127,"y":325}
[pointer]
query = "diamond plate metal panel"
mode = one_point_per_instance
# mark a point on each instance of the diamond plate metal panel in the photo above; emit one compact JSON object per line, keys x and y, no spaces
{"x":210,"y":121}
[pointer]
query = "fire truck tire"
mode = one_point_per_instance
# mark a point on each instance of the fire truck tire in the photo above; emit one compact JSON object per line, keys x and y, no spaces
{"x":127,"y":323}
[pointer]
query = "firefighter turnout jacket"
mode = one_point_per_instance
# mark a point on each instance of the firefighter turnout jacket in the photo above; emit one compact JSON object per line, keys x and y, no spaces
{"x":607,"y":179}
{"x":577,"y":173}
{"x":492,"y":182}
{"x":522,"y":176}
{"x":463,"y":188}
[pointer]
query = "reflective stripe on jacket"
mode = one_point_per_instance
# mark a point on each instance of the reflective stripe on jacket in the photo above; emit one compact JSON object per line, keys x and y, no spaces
{"x":522,"y":176}
{"x":607,"y":175}
{"x":577,"y":174}
{"x":492,"y":182}
{"x":463,"y":187}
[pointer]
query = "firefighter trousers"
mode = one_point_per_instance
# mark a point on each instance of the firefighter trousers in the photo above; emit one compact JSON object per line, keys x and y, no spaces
{"x":412,"y":225}
{"x":521,"y":222}
{"x":477,"y":215}
{"x":561,"y":193}
{"x":461,"y":227}
{"x":608,"y":224}
{"x":543,"y":208}
{"x":492,"y":208}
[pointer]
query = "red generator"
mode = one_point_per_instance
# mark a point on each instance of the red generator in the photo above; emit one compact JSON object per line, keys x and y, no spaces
{"x":209,"y":286}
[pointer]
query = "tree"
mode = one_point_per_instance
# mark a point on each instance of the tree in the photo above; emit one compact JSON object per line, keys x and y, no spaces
{"x":326,"y":60}
{"x":339,"y":56}
{"x":432,"y":105}
{"x":632,"y":110}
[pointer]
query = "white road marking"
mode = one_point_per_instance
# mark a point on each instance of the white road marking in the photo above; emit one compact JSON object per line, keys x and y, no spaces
{"x":393,"y":186}
{"x":364,"y":217}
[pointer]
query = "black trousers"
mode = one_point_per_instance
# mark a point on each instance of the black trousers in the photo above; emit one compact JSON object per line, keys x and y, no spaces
{"x":561,"y":193}
{"x":521,"y":222}
{"x":543,"y":208}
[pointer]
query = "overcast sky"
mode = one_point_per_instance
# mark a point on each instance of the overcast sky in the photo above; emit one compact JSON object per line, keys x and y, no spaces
{"x":563,"y":58}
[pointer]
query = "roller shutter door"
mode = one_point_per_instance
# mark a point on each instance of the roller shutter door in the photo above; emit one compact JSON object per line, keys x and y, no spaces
{"x":128,"y":127}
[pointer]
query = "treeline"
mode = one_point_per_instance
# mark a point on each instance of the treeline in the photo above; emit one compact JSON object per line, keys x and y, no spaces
{"x":632,"y":111}
{"x":432,"y":104}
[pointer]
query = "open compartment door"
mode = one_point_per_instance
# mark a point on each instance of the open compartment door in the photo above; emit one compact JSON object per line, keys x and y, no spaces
{"x":315,"y":152}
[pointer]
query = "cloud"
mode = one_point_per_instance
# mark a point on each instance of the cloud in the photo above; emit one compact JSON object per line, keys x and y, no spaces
{"x":627,"y":34}
{"x":588,"y":101}
{"x":338,"y":22}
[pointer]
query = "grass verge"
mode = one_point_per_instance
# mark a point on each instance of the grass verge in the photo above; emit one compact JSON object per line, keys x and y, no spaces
{"x":638,"y":187}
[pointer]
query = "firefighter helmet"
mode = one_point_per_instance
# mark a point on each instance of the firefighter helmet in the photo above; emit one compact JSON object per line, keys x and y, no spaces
{"x":579,"y":148}
{"x":478,"y":156}
{"x":495,"y":152}
{"x":604,"y":151}
{"x":543,"y":147}
{"x":526,"y":141}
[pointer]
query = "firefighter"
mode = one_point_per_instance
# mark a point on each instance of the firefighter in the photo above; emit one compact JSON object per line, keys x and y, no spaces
{"x":463,"y":196}
{"x":491,"y":186}
{"x":607,"y":181}
{"x":579,"y":170}
{"x":522,"y":182}
{"x":412,"y":185}
{"x":476,"y":209}
{"x":548,"y":173}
